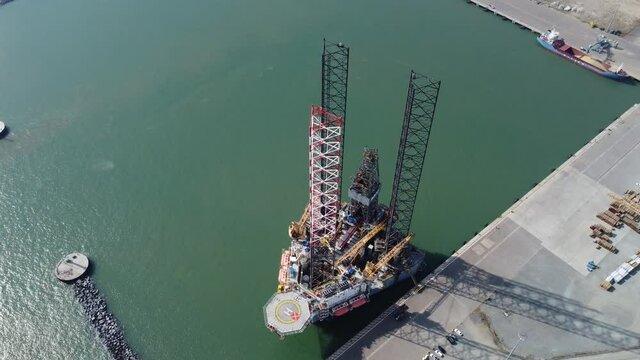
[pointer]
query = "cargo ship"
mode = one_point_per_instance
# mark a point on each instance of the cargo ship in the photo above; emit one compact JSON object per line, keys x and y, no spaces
{"x":551,"y":41}
{"x":340,"y":253}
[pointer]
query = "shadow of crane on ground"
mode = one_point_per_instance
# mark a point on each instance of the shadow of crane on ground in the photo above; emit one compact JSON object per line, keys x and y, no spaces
{"x":498,"y":294}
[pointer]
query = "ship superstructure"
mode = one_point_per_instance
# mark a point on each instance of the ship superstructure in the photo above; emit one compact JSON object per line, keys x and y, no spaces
{"x":341,"y":253}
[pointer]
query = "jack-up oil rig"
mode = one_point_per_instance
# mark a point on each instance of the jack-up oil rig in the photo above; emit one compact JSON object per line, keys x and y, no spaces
{"x":341,"y":253}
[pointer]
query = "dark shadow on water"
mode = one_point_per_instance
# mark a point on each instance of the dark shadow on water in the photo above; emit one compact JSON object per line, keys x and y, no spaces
{"x":91,"y":269}
{"x":631,"y":81}
{"x":5,"y":132}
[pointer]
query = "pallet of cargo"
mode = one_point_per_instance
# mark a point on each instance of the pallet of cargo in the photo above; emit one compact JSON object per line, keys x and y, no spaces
{"x":612,"y":214}
{"x":607,"y":219}
{"x":602,"y":229}
{"x":607,"y":245}
{"x":631,"y":224}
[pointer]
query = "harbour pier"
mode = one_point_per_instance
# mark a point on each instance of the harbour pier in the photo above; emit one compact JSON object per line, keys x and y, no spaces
{"x":535,"y":280}
{"x":538,"y":18}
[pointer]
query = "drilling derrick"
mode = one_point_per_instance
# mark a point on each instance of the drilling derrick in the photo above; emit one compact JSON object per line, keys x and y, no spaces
{"x":416,"y":128}
{"x":365,"y":188}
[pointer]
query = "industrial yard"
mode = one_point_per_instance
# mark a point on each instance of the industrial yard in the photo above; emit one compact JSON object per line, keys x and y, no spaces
{"x":615,"y":15}
{"x":554,"y":277}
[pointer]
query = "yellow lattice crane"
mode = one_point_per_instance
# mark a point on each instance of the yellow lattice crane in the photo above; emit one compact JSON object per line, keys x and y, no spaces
{"x":355,"y":249}
{"x":370,"y":270}
{"x":297,"y":229}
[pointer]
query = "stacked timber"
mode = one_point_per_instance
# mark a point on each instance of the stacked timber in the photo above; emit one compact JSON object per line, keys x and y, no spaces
{"x":610,"y":219}
{"x":600,"y":232}
{"x":627,"y":209}
{"x":606,"y":244}
{"x":599,"y":229}
{"x":631,"y":223}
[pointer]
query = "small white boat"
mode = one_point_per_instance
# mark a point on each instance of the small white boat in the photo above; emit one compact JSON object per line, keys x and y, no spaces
{"x":1,"y":127}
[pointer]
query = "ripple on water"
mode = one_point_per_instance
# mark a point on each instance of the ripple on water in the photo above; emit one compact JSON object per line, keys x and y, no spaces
{"x":39,"y":317}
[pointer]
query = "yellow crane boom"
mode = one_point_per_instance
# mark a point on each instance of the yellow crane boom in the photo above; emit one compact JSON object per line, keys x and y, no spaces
{"x":355,"y":249}
{"x":371,"y":270}
{"x":297,"y":228}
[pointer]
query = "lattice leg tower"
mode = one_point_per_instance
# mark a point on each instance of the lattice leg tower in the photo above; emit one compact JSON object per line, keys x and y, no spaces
{"x":416,"y":128}
{"x":335,"y":74}
{"x":325,"y":169}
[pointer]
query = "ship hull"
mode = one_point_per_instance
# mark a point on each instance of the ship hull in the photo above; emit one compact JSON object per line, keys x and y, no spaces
{"x":356,"y":299}
{"x":569,"y":57}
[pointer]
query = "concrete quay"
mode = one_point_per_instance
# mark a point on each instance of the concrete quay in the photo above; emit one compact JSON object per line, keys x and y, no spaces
{"x":539,"y":18}
{"x":522,"y":282}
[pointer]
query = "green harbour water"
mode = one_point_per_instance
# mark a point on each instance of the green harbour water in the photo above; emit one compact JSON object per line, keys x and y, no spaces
{"x":168,"y":142}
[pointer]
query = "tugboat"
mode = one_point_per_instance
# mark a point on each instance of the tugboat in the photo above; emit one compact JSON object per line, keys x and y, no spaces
{"x":551,"y":41}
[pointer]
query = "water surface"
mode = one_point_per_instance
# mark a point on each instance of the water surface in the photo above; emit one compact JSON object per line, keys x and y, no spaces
{"x":167,"y":140}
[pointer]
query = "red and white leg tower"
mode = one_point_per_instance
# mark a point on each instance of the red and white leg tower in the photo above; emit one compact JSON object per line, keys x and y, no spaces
{"x":325,"y":176}
{"x":325,"y":169}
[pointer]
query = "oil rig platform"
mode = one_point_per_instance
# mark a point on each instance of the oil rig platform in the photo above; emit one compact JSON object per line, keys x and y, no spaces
{"x":341,"y":253}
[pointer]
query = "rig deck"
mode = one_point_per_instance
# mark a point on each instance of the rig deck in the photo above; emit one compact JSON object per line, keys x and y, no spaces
{"x":341,"y":253}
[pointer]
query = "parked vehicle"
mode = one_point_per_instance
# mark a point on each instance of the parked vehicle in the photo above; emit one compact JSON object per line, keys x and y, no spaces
{"x":427,"y":356}
{"x":438,"y":352}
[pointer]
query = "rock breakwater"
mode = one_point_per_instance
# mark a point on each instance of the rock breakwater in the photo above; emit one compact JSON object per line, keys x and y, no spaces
{"x":95,"y":308}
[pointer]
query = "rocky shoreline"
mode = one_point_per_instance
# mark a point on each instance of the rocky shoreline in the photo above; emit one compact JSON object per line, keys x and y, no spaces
{"x":95,"y":308}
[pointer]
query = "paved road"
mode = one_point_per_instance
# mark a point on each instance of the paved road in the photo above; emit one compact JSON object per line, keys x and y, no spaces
{"x":541,"y":18}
